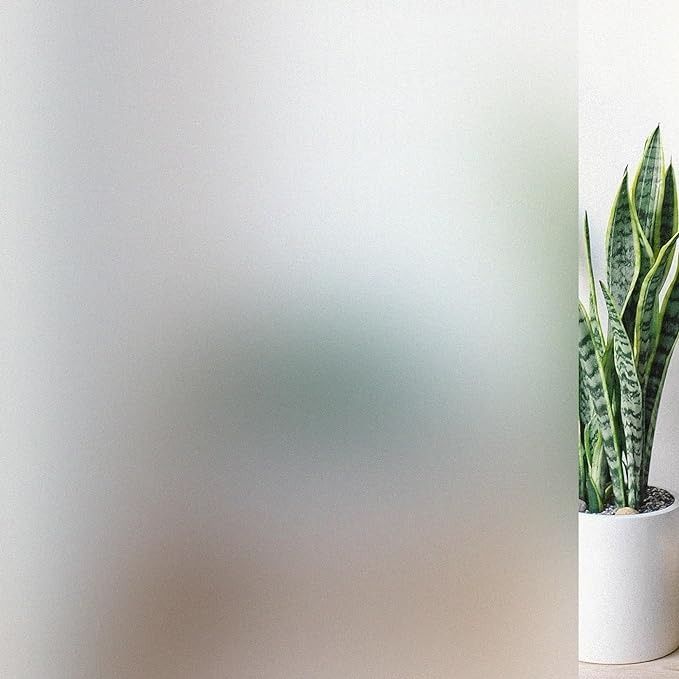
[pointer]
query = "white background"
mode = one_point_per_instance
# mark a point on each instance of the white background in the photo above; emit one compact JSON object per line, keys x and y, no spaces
{"x":629,"y":82}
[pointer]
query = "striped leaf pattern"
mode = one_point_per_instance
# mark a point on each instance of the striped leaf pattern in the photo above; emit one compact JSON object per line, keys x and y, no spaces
{"x":631,"y":403}
{"x":622,"y":248}
{"x":593,"y":376}
{"x":644,"y":335}
{"x":647,"y":188}
{"x":667,"y":224}
{"x":597,"y":469}
{"x":584,"y":402}
{"x":582,"y":472}
{"x":646,"y":262}
{"x":667,"y":337}
{"x":599,"y":464}
{"x":594,"y":497}
{"x":593,"y":306}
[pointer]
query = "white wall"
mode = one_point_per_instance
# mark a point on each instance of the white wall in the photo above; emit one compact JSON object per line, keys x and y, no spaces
{"x":629,"y":82}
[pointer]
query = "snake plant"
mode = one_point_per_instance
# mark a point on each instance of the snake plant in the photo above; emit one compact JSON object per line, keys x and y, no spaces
{"x":624,"y":364}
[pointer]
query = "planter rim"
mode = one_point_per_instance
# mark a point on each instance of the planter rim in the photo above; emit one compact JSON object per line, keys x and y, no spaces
{"x":634,"y":517}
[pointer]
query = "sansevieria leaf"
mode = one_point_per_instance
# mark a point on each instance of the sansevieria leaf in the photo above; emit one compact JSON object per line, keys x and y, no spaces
{"x":644,"y":335}
{"x":582,"y":472}
{"x":647,"y":187}
{"x":667,"y":337}
{"x":646,"y":262}
{"x":667,"y":224}
{"x":631,"y":404}
{"x":593,"y":376}
{"x":584,"y":402}
{"x":595,"y":499}
{"x":599,"y":467}
{"x":623,"y":250}
{"x":598,"y":335}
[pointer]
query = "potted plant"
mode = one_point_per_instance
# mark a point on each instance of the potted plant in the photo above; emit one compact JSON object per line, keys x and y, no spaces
{"x":628,"y":530}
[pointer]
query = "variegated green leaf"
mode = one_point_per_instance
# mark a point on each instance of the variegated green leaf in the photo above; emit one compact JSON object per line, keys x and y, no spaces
{"x":647,"y":187}
{"x":613,"y":388}
{"x":631,"y":403}
{"x":667,"y":224}
{"x":599,"y":467}
{"x":656,"y":319}
{"x":646,"y":262}
{"x":587,"y":442}
{"x":594,"y":380}
{"x":623,"y":250}
{"x":598,"y":335}
{"x":595,"y":501}
{"x":667,"y":337}
{"x":644,"y":336}
{"x":584,"y":403}
{"x":647,"y":256}
{"x":594,"y":463}
{"x":582,"y":472}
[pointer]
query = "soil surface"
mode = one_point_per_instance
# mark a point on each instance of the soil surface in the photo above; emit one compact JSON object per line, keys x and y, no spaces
{"x":656,"y":499}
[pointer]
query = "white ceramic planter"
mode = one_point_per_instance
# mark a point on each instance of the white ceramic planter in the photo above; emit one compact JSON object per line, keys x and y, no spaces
{"x":629,"y":586}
